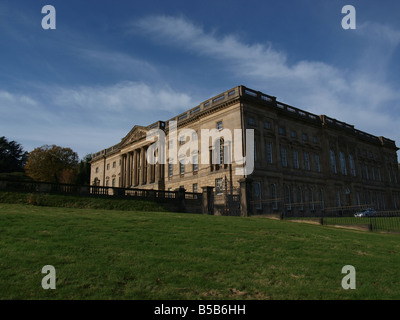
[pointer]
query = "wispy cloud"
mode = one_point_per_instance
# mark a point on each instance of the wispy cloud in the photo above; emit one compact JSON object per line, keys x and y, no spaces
{"x":86,"y":118}
{"x":354,"y":96}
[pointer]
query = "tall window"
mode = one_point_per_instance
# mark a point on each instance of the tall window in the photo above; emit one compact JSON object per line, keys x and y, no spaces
{"x":342,"y":163}
{"x":170,"y":169}
{"x":333,"y":161}
{"x":195,"y":163}
{"x":295,"y":159}
{"x":283,"y":157}
{"x":181,"y":168}
{"x":195,"y":187}
{"x":269,"y":152}
{"x":311,"y":199}
{"x":366,"y":172}
{"x":352,"y":166}
{"x":339,"y":202}
{"x":317,"y":166}
{"x":307,"y":161}
{"x":219,"y":186}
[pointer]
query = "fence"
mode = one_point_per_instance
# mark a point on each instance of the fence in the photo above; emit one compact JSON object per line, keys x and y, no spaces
{"x":387,"y":221}
{"x":177,"y":200}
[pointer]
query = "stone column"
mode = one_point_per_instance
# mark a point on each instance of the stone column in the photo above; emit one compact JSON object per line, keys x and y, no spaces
{"x":135,"y":168}
{"x":123,"y":171}
{"x":142,"y":166}
{"x":128,"y":170}
{"x":149,"y":169}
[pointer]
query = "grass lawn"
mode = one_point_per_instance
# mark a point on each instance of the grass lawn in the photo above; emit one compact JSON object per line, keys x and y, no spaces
{"x":109,"y":254}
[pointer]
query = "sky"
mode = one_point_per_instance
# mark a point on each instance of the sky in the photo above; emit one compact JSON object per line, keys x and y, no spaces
{"x":111,"y":65}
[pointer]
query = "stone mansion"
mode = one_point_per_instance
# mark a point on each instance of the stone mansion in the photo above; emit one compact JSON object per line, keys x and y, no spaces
{"x":302,"y":161}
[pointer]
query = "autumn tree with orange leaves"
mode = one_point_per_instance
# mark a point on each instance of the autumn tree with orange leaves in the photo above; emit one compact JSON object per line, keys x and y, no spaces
{"x":52,"y":164}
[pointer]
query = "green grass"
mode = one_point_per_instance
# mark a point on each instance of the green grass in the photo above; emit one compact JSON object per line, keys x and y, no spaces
{"x":82,"y":202}
{"x":104,"y":254}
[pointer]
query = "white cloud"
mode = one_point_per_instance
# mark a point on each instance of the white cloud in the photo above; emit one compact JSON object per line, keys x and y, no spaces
{"x":355,"y":96}
{"x":87,"y":119}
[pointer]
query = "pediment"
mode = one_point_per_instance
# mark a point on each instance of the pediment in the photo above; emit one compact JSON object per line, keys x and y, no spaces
{"x":136,"y":134}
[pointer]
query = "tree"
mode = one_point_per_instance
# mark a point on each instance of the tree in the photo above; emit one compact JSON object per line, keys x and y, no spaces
{"x":83,"y":177}
{"x":52,"y":164}
{"x":12,"y":156}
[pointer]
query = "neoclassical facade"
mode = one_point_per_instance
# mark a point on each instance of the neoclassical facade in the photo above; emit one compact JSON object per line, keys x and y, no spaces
{"x":302,"y":161}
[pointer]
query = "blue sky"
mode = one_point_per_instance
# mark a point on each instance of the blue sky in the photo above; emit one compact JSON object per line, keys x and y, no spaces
{"x":110,"y":65}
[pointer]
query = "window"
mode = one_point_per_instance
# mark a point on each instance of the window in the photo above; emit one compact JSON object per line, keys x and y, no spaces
{"x":315,"y":139}
{"x":300,"y":198}
{"x":195,"y":163}
{"x":283,"y":157}
{"x":373,"y":173}
{"x":366,"y":172}
{"x":114,"y":164}
{"x":304,"y":136}
{"x":195,"y":187}
{"x":108,"y":166}
{"x":181,"y":168}
{"x":97,"y":169}
{"x":339,"y":202}
{"x":317,"y":166}
{"x":219,"y":186}
{"x":295,"y":159}
{"x":251,"y":121}
{"x":311,"y":199}
{"x":170,"y":169}
{"x":274,"y":197}
{"x":282,"y":131}
{"x":257,"y":195}
{"x":219,"y":125}
{"x":267,"y":125}
{"x":293,"y":134}
{"x":307,"y":161}
{"x":182,"y":140}
{"x":107,"y":183}
{"x":269,"y":152}
{"x":342,"y":163}
{"x":333,"y":161}
{"x":113,"y":182}
{"x":379,"y":174}
{"x":352,"y":166}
